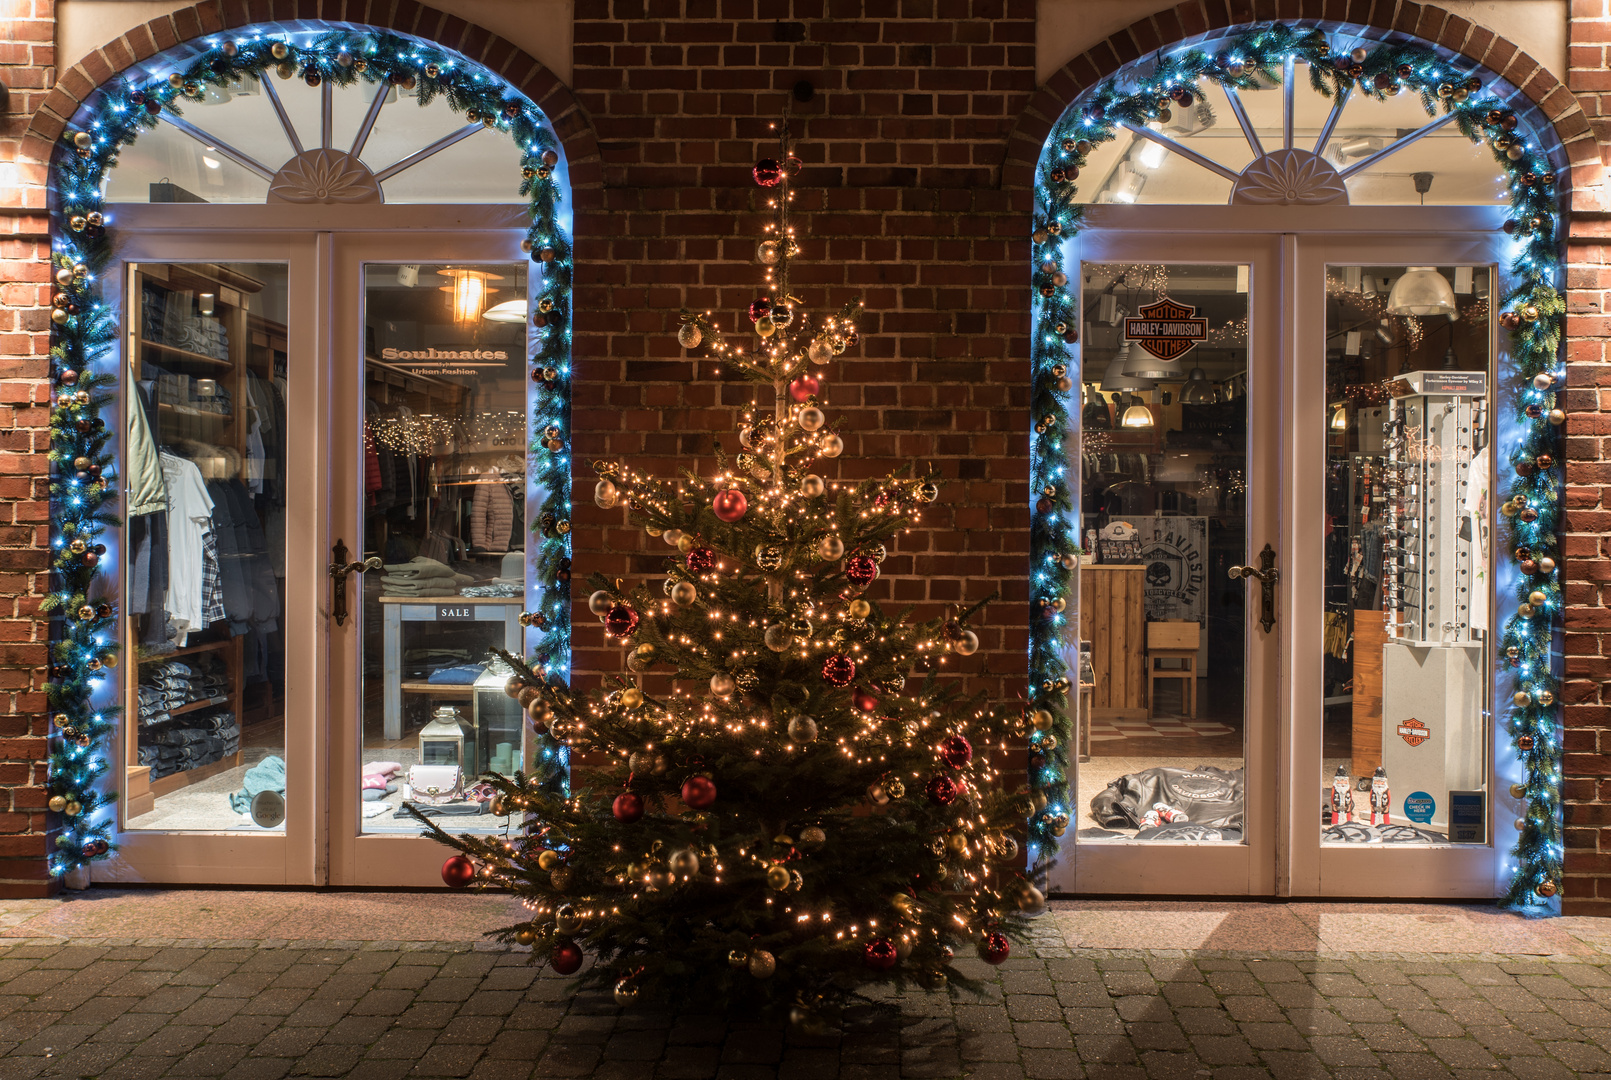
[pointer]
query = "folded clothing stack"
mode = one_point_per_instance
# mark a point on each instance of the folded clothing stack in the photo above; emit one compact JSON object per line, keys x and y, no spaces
{"x":422,"y":577}
{"x":169,"y":686}
{"x":190,"y":742}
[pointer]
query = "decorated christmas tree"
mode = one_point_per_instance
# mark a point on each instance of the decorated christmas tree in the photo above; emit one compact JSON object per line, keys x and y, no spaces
{"x":795,"y":799}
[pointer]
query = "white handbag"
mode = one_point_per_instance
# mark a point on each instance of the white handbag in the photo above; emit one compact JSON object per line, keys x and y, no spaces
{"x":434,"y":784}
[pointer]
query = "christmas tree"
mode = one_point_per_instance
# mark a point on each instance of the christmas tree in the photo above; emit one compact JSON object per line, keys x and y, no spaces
{"x":795,"y":803}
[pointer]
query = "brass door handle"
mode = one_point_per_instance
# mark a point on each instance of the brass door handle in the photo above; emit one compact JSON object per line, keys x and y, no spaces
{"x":1268,"y":576}
{"x":338,"y":571}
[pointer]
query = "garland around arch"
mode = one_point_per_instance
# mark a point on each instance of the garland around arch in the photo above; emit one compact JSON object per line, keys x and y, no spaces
{"x":1531,"y":379}
{"x":82,"y":601}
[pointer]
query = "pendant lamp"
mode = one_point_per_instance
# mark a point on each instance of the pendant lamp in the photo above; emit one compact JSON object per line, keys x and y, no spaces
{"x":1421,"y":291}
{"x":1198,"y":390}
{"x":1137,"y":415}
{"x":1117,"y":378}
{"x":1141,"y":364}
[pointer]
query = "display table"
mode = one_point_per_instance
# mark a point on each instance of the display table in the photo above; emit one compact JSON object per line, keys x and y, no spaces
{"x":1113,"y":617}
{"x":398,"y":610}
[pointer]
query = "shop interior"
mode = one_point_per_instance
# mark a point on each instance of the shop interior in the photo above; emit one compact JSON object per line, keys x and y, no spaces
{"x":1407,"y":549}
{"x":1163,"y":518}
{"x":204,"y":587}
{"x":1164,"y":627}
{"x":445,"y":451}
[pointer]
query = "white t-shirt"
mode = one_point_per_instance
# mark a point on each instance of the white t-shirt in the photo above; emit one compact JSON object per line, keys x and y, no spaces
{"x":190,"y":519}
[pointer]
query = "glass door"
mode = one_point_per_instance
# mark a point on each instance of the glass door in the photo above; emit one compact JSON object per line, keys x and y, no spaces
{"x":1181,"y":612}
{"x":216,"y":762}
{"x":430,"y":515}
{"x":1395,"y":776}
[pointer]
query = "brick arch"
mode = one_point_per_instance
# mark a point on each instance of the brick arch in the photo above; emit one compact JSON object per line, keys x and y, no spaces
{"x":571,"y":123}
{"x":1543,"y":102}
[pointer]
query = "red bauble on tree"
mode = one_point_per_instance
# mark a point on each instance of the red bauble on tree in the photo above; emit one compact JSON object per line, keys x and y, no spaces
{"x":699,"y":792}
{"x":942,"y":790}
{"x":995,"y":948}
{"x":620,"y":621}
{"x":956,"y":751}
{"x":628,"y":807}
{"x":768,"y":172}
{"x":861,"y":570}
{"x":458,"y":871}
{"x":838,"y":669}
{"x":865,"y":700}
{"x":804,"y":387}
{"x":566,"y":958}
{"x":760,"y":309}
{"x":701,"y":560}
{"x":730,"y":505}
{"x":879,"y":954}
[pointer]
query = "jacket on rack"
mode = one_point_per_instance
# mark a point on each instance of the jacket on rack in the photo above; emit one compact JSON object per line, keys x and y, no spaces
{"x":142,"y":472}
{"x":492,"y":514}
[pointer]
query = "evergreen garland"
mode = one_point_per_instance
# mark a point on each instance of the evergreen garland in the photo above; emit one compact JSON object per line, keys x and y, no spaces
{"x":1534,"y":314}
{"x":81,"y":601}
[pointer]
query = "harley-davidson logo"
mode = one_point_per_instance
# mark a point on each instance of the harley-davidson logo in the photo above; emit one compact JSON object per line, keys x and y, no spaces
{"x":1413,"y":732}
{"x":1166,"y":328}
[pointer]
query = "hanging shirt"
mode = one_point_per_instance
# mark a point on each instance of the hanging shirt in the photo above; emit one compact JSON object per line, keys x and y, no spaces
{"x":190,"y":518}
{"x":1476,"y":511}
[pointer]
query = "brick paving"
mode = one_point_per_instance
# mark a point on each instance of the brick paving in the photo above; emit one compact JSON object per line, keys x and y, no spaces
{"x":132,"y":1009}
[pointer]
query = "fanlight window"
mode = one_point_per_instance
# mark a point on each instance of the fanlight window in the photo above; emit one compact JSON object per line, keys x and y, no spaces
{"x":282,"y":141}
{"x":1287,"y":144}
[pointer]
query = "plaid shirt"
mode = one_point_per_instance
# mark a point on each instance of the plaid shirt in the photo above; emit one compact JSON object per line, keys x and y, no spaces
{"x":212,"y":582}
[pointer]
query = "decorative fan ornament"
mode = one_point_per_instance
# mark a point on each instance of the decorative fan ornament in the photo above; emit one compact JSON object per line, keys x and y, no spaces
{"x":1289,"y":178}
{"x":324,"y":176}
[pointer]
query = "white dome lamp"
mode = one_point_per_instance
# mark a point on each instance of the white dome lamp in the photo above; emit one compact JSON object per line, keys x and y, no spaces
{"x":1422,"y":291}
{"x":1137,"y":415}
{"x":1116,"y":377}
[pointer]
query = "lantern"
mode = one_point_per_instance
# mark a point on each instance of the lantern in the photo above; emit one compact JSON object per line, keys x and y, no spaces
{"x":442,"y":740}
{"x":497,"y":721}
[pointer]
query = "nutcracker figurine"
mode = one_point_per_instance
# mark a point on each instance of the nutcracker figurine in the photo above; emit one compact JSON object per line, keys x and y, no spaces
{"x":1380,"y":800}
{"x":1342,"y":798}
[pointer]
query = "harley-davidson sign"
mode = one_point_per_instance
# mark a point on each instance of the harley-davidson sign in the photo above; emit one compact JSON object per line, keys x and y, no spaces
{"x":1414,"y":732}
{"x":1166,"y":328}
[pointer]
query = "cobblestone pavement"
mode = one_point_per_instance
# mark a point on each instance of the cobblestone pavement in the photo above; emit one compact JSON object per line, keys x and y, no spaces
{"x":260,"y":1010}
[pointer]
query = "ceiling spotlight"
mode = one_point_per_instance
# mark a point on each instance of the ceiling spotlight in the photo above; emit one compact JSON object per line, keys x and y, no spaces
{"x":1421,"y":291}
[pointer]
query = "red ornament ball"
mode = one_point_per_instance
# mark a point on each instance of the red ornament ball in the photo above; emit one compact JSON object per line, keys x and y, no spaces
{"x":861,"y":570}
{"x":956,"y":751}
{"x":879,"y":954}
{"x":804,"y":387}
{"x":699,"y":792}
{"x":941,"y":790}
{"x":838,"y":669}
{"x":458,"y":871}
{"x":620,"y":621}
{"x":994,"y":948}
{"x":701,"y":560}
{"x":566,"y":958}
{"x":760,"y":309}
{"x":628,"y":807}
{"x":767,"y":172}
{"x":864,"y":700}
{"x":730,"y":505}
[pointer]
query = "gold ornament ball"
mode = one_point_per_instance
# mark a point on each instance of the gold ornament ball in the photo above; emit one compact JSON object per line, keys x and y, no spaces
{"x":860,"y":609}
{"x":1522,"y":699}
{"x":762,"y":964}
{"x":721,"y":684}
{"x":72,"y":809}
{"x":1547,"y":888}
{"x":548,"y":860}
{"x":631,"y":698}
{"x":1557,"y":417}
{"x":278,"y":50}
{"x":1537,"y":598}
{"x":1546,"y":565}
{"x":525,"y":936}
{"x":1042,"y":720}
{"x":812,"y":837}
{"x":831,"y":446}
{"x":895,"y":788}
{"x":967,"y":644}
{"x":57,"y":804}
{"x":777,"y":878}
{"x":285,"y":70}
{"x":1525,"y":610}
{"x":812,"y":485}
{"x":683,"y":593}
{"x":831,"y":548}
{"x":626,"y":993}
{"x":738,"y":958}
{"x":1546,"y":698}
{"x":803,"y":729}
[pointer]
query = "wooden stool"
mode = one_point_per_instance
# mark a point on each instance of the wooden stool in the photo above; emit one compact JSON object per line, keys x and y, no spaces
{"x":1174,"y":641}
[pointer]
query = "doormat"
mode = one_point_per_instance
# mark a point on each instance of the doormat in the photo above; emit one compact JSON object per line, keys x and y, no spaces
{"x":1157,"y":727}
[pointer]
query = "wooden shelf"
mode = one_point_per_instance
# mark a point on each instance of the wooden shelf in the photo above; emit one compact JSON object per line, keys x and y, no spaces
{"x":186,"y":354}
{"x":187,"y":411}
{"x":445,"y":689}
{"x":196,"y":706}
{"x":185,"y":777}
{"x":188,"y":650}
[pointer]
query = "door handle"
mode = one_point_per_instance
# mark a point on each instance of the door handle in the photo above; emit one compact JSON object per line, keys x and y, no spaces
{"x":338,"y":571}
{"x":1268,"y":576}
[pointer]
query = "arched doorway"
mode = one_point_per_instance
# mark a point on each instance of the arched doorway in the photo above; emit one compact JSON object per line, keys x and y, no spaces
{"x":328,"y":289}
{"x":1304,"y":278}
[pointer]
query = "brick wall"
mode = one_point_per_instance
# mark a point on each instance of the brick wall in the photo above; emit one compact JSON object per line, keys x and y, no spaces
{"x":27,"y":70}
{"x":1587,"y":541}
{"x":899,"y":202}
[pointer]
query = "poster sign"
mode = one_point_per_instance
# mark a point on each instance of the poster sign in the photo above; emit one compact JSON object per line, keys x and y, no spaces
{"x":1468,"y":814}
{"x":1175,"y":552}
{"x":1166,"y":328}
{"x":1419,"y":807}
